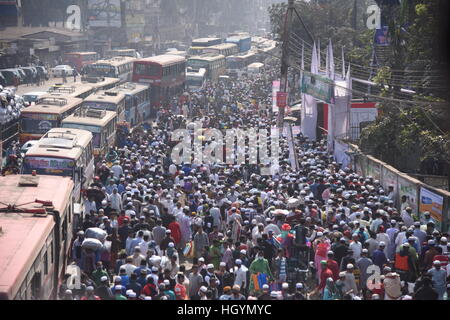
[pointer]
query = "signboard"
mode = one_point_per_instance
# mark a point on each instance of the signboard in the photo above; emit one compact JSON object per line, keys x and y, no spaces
{"x":104,"y":13}
{"x":275,"y":89}
{"x":317,"y":86}
{"x":433,"y":203}
{"x":282,"y":99}
{"x":408,"y":194}
{"x":52,"y":166}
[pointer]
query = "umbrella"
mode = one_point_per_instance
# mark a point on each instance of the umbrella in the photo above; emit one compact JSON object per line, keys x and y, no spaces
{"x":280,"y":212}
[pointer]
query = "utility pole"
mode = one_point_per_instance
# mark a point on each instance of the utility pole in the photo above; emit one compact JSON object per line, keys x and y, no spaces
{"x":285,"y":59}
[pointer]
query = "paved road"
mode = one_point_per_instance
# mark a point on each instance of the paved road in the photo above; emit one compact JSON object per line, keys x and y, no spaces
{"x":25,"y":89}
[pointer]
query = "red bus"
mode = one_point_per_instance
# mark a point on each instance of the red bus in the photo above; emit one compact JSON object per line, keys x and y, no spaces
{"x":36,"y":216}
{"x":80,"y":59}
{"x":166,"y":75}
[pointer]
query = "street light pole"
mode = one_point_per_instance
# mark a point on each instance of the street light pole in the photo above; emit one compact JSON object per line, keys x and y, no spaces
{"x":285,"y":59}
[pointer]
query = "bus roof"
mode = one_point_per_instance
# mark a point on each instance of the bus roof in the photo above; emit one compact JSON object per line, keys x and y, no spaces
{"x":208,"y":57}
{"x":242,"y":55}
{"x":205,"y":40}
{"x":61,"y":143}
{"x":115,"y":61}
{"x":130,"y":88}
{"x":22,"y":234}
{"x":163,"y":60}
{"x":53,"y":103}
{"x":73,"y":90}
{"x":103,"y":96}
{"x":99,"y":82}
{"x":222,"y":46}
{"x":99,"y":118}
{"x":81,"y":53}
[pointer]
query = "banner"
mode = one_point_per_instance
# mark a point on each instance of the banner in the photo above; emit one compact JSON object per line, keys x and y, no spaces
{"x":317,"y":86}
{"x":407,"y":191}
{"x":433,"y":203}
{"x":291,"y":144}
{"x":104,"y":13}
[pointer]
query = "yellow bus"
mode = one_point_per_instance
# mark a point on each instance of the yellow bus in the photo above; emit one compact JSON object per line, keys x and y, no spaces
{"x":66,"y":153}
{"x":116,"y":67}
{"x":36,"y":237}
{"x":101,"y":123}
{"x":107,"y":100}
{"x":214,"y":64}
{"x":100,"y":83}
{"x":225,"y":49}
{"x":47,"y":113}
{"x":76,"y":90}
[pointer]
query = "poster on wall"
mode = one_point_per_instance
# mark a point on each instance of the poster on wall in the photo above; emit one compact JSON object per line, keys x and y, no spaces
{"x":390,"y":179}
{"x":433,"y":203}
{"x":373,"y":169}
{"x":408,"y":195}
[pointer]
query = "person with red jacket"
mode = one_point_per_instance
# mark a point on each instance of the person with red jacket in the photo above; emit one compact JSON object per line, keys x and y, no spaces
{"x":324,"y":275}
{"x":175,"y":229}
{"x":333,"y":265}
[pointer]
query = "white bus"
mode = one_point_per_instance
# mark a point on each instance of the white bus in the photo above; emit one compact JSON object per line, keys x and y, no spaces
{"x":65,"y":153}
{"x":116,"y":67}
{"x":101,"y":123}
{"x":195,"y":79}
{"x":107,"y":100}
{"x":137,"y":101}
{"x":255,"y":68}
{"x":225,"y":49}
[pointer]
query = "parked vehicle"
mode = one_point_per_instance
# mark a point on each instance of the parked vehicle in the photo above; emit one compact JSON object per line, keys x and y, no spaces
{"x":11,"y":76}
{"x":58,"y":70}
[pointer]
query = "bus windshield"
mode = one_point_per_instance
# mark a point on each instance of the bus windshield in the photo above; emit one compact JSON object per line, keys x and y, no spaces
{"x":38,"y":123}
{"x":95,"y":130}
{"x":194,"y":81}
{"x":101,"y":70}
{"x":144,"y":69}
{"x":49,"y":166}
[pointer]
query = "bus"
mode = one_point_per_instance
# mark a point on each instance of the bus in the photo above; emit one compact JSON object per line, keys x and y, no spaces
{"x":36,"y":235}
{"x":195,"y":79}
{"x":107,"y":100}
{"x":75,"y":90}
{"x":100,"y":83}
{"x":243,"y":42}
{"x":102,"y":125}
{"x":236,"y":64}
{"x":214,"y":64}
{"x":123,"y":53}
{"x":206,"y":42}
{"x":166,"y":75}
{"x":225,"y":49}
{"x":78,"y":60}
{"x":66,"y":153}
{"x":116,"y":67}
{"x":47,"y":113}
{"x":137,"y":102}
{"x":195,"y":51}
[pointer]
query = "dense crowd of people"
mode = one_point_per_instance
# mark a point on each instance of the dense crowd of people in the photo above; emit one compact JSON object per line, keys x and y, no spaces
{"x":154,"y":230}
